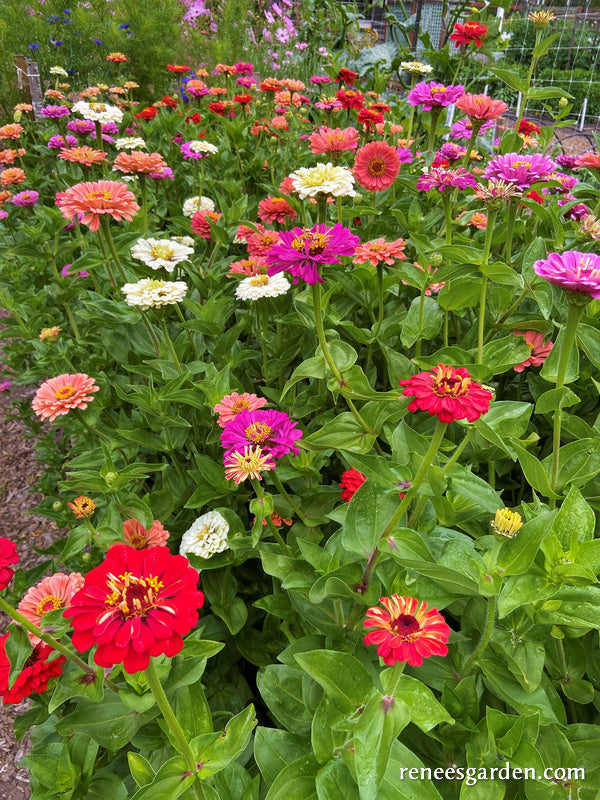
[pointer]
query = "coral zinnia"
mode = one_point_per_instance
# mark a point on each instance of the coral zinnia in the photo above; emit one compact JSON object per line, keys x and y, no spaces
{"x":572,"y":271}
{"x":469,"y":32}
{"x":33,"y":678}
{"x":273,"y":431}
{"x":95,"y":198}
{"x":8,"y":555}
{"x":275,"y":209}
{"x":480,"y":107}
{"x":376,"y":166}
{"x":447,"y":393}
{"x":59,"y":395}
{"x":82,"y":155}
{"x":233,"y":404}
{"x":328,"y":140}
{"x":351,"y":482}
{"x":539,"y":350}
{"x":138,"y":163}
{"x":137,"y":536}
{"x":49,"y":594}
{"x":202,"y":222}
{"x":379,"y":250}
{"x":406,"y":630}
{"x":300,"y":252}
{"x":136,"y":604}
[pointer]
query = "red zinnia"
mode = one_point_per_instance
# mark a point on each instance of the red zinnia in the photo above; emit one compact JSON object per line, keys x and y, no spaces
{"x":147,"y":113}
{"x":447,"y":393}
{"x":469,"y":32}
{"x":8,"y":555}
{"x":351,"y":482}
{"x":349,"y":98}
{"x":178,"y":68}
{"x":33,"y":678}
{"x":275,"y":209}
{"x":527,"y":127}
{"x":346,"y":75}
{"x":202,"y":222}
{"x":407,"y":631}
{"x":376,"y":166}
{"x":137,"y":604}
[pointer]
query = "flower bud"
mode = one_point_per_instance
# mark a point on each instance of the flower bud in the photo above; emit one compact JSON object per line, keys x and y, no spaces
{"x":563,"y":102}
{"x":436,"y":259}
{"x":506,"y":523}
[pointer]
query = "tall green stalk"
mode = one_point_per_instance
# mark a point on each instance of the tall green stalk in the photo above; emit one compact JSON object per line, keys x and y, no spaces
{"x":489,"y":231}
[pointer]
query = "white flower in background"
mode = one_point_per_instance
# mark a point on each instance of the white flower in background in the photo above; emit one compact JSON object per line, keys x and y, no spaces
{"x":323,"y":179}
{"x":200,"y":146}
{"x":193,"y":204}
{"x":149,"y":293}
{"x":98,"y":112}
{"x":59,"y":71}
{"x":161,"y":253}
{"x":206,"y":536}
{"x":262,"y":285}
{"x":186,"y":240}
{"x":416,"y":67}
{"x":130,"y":143}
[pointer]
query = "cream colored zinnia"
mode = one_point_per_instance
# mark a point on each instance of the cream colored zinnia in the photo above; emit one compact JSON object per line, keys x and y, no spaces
{"x":262,"y":285}
{"x":323,"y":179}
{"x":161,"y":254}
{"x":206,"y":536}
{"x":149,"y":293}
{"x":193,"y":204}
{"x":130,"y":143}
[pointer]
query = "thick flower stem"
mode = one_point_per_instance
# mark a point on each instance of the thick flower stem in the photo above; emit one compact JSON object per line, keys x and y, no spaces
{"x":49,"y":640}
{"x":270,"y":524}
{"x":485,"y":638}
{"x":435,"y":115}
{"x":144,"y":193}
{"x":467,"y":159}
{"x":489,"y":231}
{"x":446,"y":202}
{"x":171,"y":720}
{"x":163,"y":325}
{"x":573,"y":316}
{"x":105,"y":225}
{"x":459,"y":450}
{"x":512,"y":216}
{"x":434,"y":445}
{"x":394,"y":678}
{"x":286,"y":496}
{"x":379,"y":299}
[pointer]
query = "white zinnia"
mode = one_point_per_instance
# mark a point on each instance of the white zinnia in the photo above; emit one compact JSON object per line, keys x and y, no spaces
{"x":323,"y":179}
{"x":130,"y":143}
{"x":161,"y":253}
{"x":200,"y":146}
{"x":149,"y":293}
{"x":193,"y":204}
{"x":186,"y":240}
{"x":206,"y":536}
{"x":98,"y":112}
{"x":262,"y":285}
{"x":416,"y":67}
{"x":59,"y":71}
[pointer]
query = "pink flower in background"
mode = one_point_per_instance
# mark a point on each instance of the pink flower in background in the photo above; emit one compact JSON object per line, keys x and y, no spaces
{"x":480,"y":107}
{"x":376,"y":166}
{"x":95,"y":199}
{"x":572,"y":271}
{"x":25,"y":199}
{"x":520,"y":170}
{"x":330,"y":140}
{"x":379,"y":250}
{"x":59,"y":395}
{"x":233,"y":404}
{"x":441,"y":179}
{"x":49,"y":594}
{"x":273,"y":431}
{"x":137,"y":536}
{"x":539,"y":350}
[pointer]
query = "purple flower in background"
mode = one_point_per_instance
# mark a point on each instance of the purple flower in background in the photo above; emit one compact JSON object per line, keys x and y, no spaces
{"x":576,"y":212}
{"x":405,"y":155}
{"x":66,"y":274}
{"x":57,"y":142}
{"x":440,"y":179}
{"x":33,"y":46}
{"x":566,"y":162}
{"x":244,"y":68}
{"x":520,"y":170}
{"x":84,"y":127}
{"x":463,"y":129}
{"x":55,"y":112}
{"x":124,"y":26}
{"x":167,"y":172}
{"x":98,"y":42}
{"x":319,"y":79}
{"x":572,"y":271}
{"x":434,"y":95}
{"x":271,"y":430}
{"x":4,"y":386}
{"x":452,"y":152}
{"x":24,"y":199}
{"x":3,"y":214}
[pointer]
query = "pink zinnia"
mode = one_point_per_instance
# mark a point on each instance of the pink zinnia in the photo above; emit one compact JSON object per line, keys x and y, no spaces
{"x":94,"y":199}
{"x":447,"y":393}
{"x":59,"y":395}
{"x":248,"y":267}
{"x":261,"y":242}
{"x":480,"y":107}
{"x":233,"y":404}
{"x":137,"y":536}
{"x":379,"y":250}
{"x":539,"y":350}
{"x":139,"y":163}
{"x":49,"y":594}
{"x":25,"y":199}
{"x":273,"y":431}
{"x":329,"y":140}
{"x":520,"y":170}
{"x":8,"y":555}
{"x":275,"y":209}
{"x":572,"y":271}
{"x":376,"y":166}
{"x":202,"y":222}
{"x":434,"y":95}
{"x":441,"y":179}
{"x":301,"y":252}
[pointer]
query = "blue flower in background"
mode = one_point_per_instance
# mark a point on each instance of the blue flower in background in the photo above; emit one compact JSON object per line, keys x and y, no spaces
{"x":72,"y":71}
{"x":97,"y":41}
{"x":124,"y":26}
{"x":33,"y":46}
{"x":66,"y":10}
{"x":67,"y":21}
{"x":57,"y":42}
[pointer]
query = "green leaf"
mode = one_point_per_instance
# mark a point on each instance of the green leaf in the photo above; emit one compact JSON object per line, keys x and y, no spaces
{"x":547,"y":92}
{"x":296,"y":781}
{"x":274,"y":749}
{"x":230,"y":744}
{"x":463,"y":482}
{"x":503,"y":274}
{"x":425,"y":710}
{"x":544,"y":699}
{"x":342,"y":433}
{"x":110,"y":723}
{"x":554,"y":399}
{"x":589,"y":340}
{"x":334,"y":781}
{"x":549,"y":371}
{"x":510,"y":79}
{"x":535,"y":474}
{"x":501,"y":355}
{"x":282,"y":688}
{"x":171,"y":781}
{"x":423,"y":321}
{"x":140,"y":768}
{"x":544,"y":45}
{"x":516,"y":555}
{"x":369,"y":512}
{"x":398,"y":785}
{"x":18,"y":649}
{"x":460,"y":293}
{"x":575,"y":521}
{"x":341,"y":675}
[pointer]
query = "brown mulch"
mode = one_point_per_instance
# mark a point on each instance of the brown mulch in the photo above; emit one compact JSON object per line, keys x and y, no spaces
{"x":18,"y":471}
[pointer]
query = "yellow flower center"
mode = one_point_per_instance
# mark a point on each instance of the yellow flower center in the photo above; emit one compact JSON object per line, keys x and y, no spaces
{"x":49,"y":603}
{"x":98,"y":195}
{"x":131,"y":595}
{"x":240,"y":405}
{"x":162,"y":250}
{"x":507,"y":523}
{"x":258,"y":432}
{"x":64,"y":392}
{"x":447,"y":384}
{"x":317,"y":242}
{"x":259,"y":280}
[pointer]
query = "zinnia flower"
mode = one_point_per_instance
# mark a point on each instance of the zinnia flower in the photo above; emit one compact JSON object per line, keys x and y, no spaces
{"x":233,"y":404}
{"x":136,"y":604}
{"x":161,"y":253}
{"x":275,"y":210}
{"x":447,"y":393}
{"x":480,"y":108}
{"x":197,"y":149}
{"x":148,"y":293}
{"x":441,"y":179}
{"x":262,"y":285}
{"x":351,"y":482}
{"x":93,"y":199}
{"x":59,"y":395}
{"x":273,"y":431}
{"x":11,"y":131}
{"x":469,"y":32}
{"x":82,"y":506}
{"x":379,"y":250}
{"x":247,"y":267}
{"x":434,"y":95}
{"x":406,"y":630}
{"x":35,"y":676}
{"x":300,"y":252}
{"x":202,"y":222}
{"x":49,"y":594}
{"x":572,"y":271}
{"x":12,"y":176}
{"x":25,"y":199}
{"x":206,"y":536}
{"x":138,"y":163}
{"x":323,"y":179}
{"x":376,"y":166}
{"x":251,"y":463}
{"x":416,"y":67}
{"x":349,"y":98}
{"x":506,"y":523}
{"x":326,"y":140}
{"x":193,"y":204}
{"x":520,"y":170}
{"x":129,"y":143}
{"x":85,"y":155}
{"x":539,"y":350}
{"x":137,"y":536}
{"x":8,"y":555}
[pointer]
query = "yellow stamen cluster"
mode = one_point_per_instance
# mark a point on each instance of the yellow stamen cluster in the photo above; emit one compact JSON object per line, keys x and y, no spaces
{"x":507,"y":523}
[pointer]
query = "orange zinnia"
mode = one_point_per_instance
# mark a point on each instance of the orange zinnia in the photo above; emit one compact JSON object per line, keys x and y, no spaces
{"x":82,"y":155}
{"x":93,"y":199}
{"x":138,"y":163}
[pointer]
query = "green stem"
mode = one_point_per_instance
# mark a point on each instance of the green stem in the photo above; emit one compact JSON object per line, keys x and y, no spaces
{"x":434,"y":445}
{"x":189,"y":335}
{"x":144,"y":193}
{"x":447,"y":215}
{"x":420,"y":323}
{"x":392,"y":678}
{"x":106,"y":260}
{"x":485,"y":638}
{"x":163,"y":325}
{"x":435,"y":115}
{"x":512,"y":215}
{"x":489,"y":231}
{"x":105,"y":225}
{"x":379,"y":299}
{"x":459,"y":450}
{"x":151,"y":334}
{"x":467,"y":159}
{"x":270,"y":524}
{"x":283,"y":492}
{"x":573,"y":316}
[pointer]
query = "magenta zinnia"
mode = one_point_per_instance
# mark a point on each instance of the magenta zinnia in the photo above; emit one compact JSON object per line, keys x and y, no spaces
{"x":300,"y":252}
{"x":441,"y":179}
{"x":520,"y":170}
{"x":136,"y":604}
{"x":406,"y":630}
{"x":572,"y":271}
{"x":59,"y":395}
{"x":434,"y":95}
{"x":447,"y":393}
{"x":273,"y":431}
